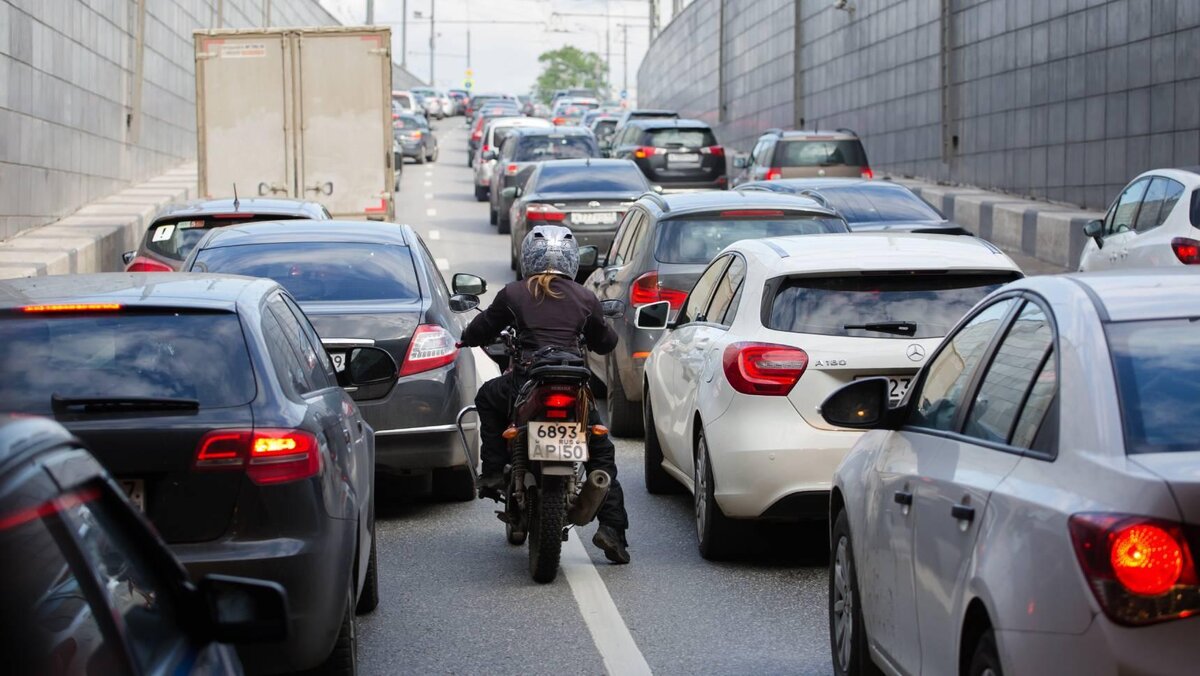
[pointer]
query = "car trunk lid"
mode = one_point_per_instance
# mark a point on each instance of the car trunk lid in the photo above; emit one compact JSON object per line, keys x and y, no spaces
{"x":1181,"y":472}
{"x":389,"y":326}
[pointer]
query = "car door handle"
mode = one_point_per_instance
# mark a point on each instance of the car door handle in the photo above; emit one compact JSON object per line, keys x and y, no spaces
{"x":902,"y":498}
{"x":963,"y":512}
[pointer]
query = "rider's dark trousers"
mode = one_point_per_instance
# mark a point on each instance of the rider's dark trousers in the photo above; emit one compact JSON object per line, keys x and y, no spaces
{"x":493,"y":402}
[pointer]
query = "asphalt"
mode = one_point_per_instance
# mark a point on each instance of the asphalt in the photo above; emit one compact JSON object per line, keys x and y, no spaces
{"x":457,"y":599}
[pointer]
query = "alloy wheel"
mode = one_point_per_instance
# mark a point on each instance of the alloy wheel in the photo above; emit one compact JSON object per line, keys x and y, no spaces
{"x":843,"y":604}
{"x":701,"y":492}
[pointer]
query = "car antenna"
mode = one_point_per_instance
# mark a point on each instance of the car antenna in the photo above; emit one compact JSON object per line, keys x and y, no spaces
{"x":235,"y":197}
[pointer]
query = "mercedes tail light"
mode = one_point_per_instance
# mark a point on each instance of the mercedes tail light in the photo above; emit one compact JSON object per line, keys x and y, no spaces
{"x":431,"y":347}
{"x":774,"y":174}
{"x":715,"y":151}
{"x":543,"y":212}
{"x":1140,"y":569}
{"x":143,"y":264}
{"x":867,"y":173}
{"x":646,"y":289}
{"x":267,"y":456}
{"x":1186,"y":250}
{"x":764,"y":368}
{"x":645,"y":151}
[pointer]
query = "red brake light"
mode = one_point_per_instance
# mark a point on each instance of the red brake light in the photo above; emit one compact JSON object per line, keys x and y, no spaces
{"x":751,"y":213}
{"x":231,"y":216}
{"x":715,"y":151}
{"x":417,"y":134}
{"x":560,"y":121}
{"x":269,"y":456}
{"x":867,"y":173}
{"x":1186,"y":250}
{"x":646,"y":289}
{"x":645,"y":151}
{"x":1140,"y":569}
{"x":511,"y":170}
{"x":431,"y":347}
{"x":143,"y":264}
{"x":774,"y":174}
{"x":559,"y":400}
{"x":72,"y":307}
{"x":763,"y":368}
{"x":543,"y":212}
{"x":486,"y":148}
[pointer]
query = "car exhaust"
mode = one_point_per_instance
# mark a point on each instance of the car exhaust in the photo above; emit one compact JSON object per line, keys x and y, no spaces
{"x":595,"y":489}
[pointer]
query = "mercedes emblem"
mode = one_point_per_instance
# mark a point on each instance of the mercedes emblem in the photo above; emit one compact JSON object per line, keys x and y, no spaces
{"x":915,"y":352}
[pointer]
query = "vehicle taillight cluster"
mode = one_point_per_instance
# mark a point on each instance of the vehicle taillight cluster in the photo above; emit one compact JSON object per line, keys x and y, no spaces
{"x":867,"y":173}
{"x":511,"y":170}
{"x":557,"y":401}
{"x":774,"y":174}
{"x":646,"y":289}
{"x":543,"y":212}
{"x":1140,"y":569}
{"x":1186,"y":250}
{"x":647,"y":151}
{"x":715,"y":151}
{"x":431,"y":347}
{"x":268,"y":456}
{"x":143,"y":264}
{"x":764,"y":368}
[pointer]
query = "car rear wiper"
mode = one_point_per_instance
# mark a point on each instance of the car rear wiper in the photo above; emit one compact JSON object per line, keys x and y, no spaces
{"x":899,"y":328}
{"x":61,"y":404}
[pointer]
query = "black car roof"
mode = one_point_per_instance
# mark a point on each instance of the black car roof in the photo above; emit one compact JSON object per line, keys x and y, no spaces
{"x":684,"y":204}
{"x":198,"y":291}
{"x":667,"y":123}
{"x":250,"y":205}
{"x":273,"y":232}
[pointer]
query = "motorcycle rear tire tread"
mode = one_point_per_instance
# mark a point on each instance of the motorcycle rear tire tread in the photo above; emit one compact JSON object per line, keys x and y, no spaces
{"x":546,"y":522}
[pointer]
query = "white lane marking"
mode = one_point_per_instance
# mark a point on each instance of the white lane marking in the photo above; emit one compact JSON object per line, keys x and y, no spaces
{"x":612,"y":638}
{"x":428,"y":184}
{"x":431,"y":212}
{"x":428,"y":195}
{"x":442,"y":263}
{"x":434,"y":234}
{"x":428,"y":173}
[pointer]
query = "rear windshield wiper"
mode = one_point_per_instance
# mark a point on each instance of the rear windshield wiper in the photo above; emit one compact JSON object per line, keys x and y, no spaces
{"x":119,"y":404}
{"x":898,"y":328}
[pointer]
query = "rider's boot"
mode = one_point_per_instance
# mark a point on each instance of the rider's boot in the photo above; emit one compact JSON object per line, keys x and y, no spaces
{"x":612,"y":542}
{"x":490,"y":484}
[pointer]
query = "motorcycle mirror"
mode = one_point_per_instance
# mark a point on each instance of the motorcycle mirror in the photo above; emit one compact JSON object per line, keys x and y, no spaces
{"x":472,"y":285}
{"x":613,"y":308}
{"x":463,"y":302}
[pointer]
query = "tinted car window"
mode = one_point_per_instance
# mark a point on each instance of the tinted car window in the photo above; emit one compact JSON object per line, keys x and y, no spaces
{"x":687,"y":138}
{"x":189,"y":355}
{"x":175,"y":239}
{"x":1037,"y":404}
{"x":611,"y":178}
{"x":323,"y":375}
{"x":1010,"y":376}
{"x":1120,"y":217}
{"x":285,"y":358}
{"x":697,"y":300}
{"x":827,"y":305}
{"x":535,"y":148}
{"x":604,"y":128}
{"x":322,"y":271}
{"x":729,"y":288}
{"x":697,"y":241}
{"x":818,"y":153}
{"x":410,"y":122}
{"x":1157,"y":203}
{"x":1158,"y":381}
{"x":872,"y":205}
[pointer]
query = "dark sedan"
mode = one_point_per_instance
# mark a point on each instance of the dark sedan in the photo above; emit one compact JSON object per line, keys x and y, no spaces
{"x":90,"y":588}
{"x":364,"y":283}
{"x":210,"y":400}
{"x":525,"y":148}
{"x":868,"y":205}
{"x":177,"y":228}
{"x":416,"y":138}
{"x":674,"y":154}
{"x":588,"y":196}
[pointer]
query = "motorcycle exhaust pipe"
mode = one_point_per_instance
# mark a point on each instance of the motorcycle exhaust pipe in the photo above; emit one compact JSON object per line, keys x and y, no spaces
{"x":595,"y":489}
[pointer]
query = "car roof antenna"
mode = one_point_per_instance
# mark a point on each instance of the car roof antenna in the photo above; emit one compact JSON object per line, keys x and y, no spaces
{"x":235,"y":197}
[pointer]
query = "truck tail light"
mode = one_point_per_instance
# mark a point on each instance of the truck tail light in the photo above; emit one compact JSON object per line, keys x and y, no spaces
{"x":764,"y":368}
{"x":543,"y":212}
{"x":431,"y":347}
{"x":774,"y":174}
{"x":1186,"y":250}
{"x":268,"y":456}
{"x":646,"y":289}
{"x":143,"y":264}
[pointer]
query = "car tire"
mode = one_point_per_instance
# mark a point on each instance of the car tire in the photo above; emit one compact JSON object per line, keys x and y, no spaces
{"x":503,"y":225}
{"x":453,"y":483}
{"x":850,"y":657}
{"x":624,"y":416}
{"x":714,"y":530}
{"x":368,"y":598}
{"x":658,"y":482}
{"x":436,"y":150}
{"x":493,"y":216}
{"x":421,"y":157}
{"x":481,"y":194}
{"x":986,"y":660}
{"x":470,"y":160}
{"x":343,"y":660}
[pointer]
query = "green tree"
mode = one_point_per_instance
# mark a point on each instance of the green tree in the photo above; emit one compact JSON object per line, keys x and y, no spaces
{"x":570,"y":67}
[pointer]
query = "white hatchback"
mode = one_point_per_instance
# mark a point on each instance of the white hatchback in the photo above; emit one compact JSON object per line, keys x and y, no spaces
{"x":1032,"y":506}
{"x":1154,"y":222}
{"x":497,"y":130}
{"x":770,"y":329}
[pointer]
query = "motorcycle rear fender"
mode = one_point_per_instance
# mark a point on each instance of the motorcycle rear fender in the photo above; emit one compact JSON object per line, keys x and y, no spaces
{"x":557,"y":468}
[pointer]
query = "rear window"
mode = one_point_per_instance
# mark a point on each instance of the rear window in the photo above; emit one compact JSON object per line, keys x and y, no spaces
{"x":175,"y":239}
{"x":322,"y":271}
{"x":161,"y":354}
{"x":819,"y":154}
{"x":874,"y":205}
{"x":409,"y":122}
{"x":828,"y":305}
{"x":626,"y":178}
{"x":1158,"y":381}
{"x":536,"y":148}
{"x":404,"y":100}
{"x":680,"y":138}
{"x":699,"y":241}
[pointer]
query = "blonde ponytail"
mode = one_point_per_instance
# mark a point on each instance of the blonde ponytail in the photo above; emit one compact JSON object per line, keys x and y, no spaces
{"x":539,"y":287}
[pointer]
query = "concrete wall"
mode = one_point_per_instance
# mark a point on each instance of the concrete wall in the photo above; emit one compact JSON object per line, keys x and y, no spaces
{"x":66,"y":95}
{"x":1057,"y":99}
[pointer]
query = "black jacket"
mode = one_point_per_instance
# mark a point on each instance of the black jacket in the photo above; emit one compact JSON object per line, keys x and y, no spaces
{"x":557,"y":322}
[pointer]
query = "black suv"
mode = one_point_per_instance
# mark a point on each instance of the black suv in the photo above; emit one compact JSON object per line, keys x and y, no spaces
{"x":673,"y":154}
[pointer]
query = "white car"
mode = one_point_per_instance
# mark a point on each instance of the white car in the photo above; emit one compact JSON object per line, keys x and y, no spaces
{"x":1031,"y":507}
{"x":494,"y":135}
{"x":773,"y":326}
{"x":1154,"y":222}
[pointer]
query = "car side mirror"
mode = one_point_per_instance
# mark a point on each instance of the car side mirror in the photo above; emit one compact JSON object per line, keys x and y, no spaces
{"x":241,"y":610}
{"x":127,"y":257}
{"x":368,"y":366}
{"x":463,"y":283}
{"x":1095,"y":230}
{"x":588,"y":255}
{"x":510,"y":192}
{"x":861,"y":405}
{"x":741,"y":162}
{"x":463,"y":302}
{"x":653,"y":316}
{"x":613,"y":308}
{"x":488,"y":155}
{"x":657,"y":188}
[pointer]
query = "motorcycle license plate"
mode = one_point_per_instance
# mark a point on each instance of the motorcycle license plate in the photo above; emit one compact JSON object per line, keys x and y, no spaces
{"x":557,"y":442}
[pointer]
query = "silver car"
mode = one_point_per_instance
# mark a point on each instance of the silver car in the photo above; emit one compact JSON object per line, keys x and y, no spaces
{"x":1031,"y":505}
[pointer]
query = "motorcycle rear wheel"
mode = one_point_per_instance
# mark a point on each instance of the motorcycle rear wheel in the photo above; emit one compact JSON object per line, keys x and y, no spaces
{"x":547,"y":516}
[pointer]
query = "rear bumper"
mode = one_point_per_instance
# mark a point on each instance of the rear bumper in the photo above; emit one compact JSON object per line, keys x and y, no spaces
{"x":416,"y":450}
{"x":1105,"y":649}
{"x":414,"y":424}
{"x":412,"y":148}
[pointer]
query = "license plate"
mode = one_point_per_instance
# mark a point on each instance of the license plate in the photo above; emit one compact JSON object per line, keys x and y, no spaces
{"x":594,"y":218}
{"x":135,"y":490}
{"x":339,"y":361}
{"x":679,"y":160}
{"x":557,"y":442}
{"x":897,"y":386}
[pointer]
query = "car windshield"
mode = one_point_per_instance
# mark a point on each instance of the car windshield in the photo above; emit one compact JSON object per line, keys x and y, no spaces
{"x":175,"y":238}
{"x":680,"y":138}
{"x":322,"y":271}
{"x":876,"y":205}
{"x":535,"y":148}
{"x":819,"y":154}
{"x":887,"y":305}
{"x":625,"y":178}
{"x":699,"y":241}
{"x":604,"y":128}
{"x":1158,"y":381}
{"x":176,"y":354}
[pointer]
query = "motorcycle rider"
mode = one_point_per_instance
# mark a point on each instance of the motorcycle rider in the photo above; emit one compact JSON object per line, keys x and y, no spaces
{"x":548,"y":309}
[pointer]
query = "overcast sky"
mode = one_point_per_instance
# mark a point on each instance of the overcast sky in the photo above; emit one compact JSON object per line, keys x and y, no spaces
{"x":504,"y":55}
